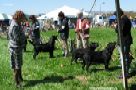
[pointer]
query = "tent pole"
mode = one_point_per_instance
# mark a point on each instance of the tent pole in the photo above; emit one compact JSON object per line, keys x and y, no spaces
{"x":125,"y":84}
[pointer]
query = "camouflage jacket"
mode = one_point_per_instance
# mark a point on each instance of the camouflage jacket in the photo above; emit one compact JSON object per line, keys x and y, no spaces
{"x":16,"y":35}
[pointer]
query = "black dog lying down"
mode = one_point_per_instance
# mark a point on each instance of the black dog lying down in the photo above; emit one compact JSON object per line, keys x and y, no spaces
{"x":79,"y":52}
{"x":99,"y":57}
{"x":48,"y":47}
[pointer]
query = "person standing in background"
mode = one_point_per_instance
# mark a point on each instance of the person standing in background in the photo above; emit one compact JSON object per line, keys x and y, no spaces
{"x":34,"y":30}
{"x":127,"y":40}
{"x":64,"y":32}
{"x":82,"y":31}
{"x":85,"y":32}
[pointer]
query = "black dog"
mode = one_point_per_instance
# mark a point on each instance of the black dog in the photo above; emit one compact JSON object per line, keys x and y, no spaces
{"x":79,"y":52}
{"x":48,"y":47}
{"x":99,"y":57}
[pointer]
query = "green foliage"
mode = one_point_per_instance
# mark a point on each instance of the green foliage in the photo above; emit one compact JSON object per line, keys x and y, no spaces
{"x":57,"y":73}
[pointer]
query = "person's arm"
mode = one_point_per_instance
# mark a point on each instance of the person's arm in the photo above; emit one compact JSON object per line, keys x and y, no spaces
{"x":62,"y":26}
{"x":37,"y":26}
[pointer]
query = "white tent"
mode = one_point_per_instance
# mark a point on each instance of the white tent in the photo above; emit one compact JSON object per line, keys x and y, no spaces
{"x":68,"y":11}
{"x":42,"y":17}
{"x":5,"y":16}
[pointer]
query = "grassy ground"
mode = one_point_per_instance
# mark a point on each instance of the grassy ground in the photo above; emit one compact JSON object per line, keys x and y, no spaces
{"x":57,"y":73}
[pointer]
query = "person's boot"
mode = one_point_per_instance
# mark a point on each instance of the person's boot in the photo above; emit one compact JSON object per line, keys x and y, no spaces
{"x":20,"y":75}
{"x":16,"y":74}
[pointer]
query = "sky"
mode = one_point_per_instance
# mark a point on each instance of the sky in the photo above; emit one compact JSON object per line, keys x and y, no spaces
{"x":45,"y":6}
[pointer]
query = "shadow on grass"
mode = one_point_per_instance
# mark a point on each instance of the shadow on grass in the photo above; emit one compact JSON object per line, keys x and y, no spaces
{"x":96,"y":70}
{"x":133,"y":87}
{"x":114,"y":68}
{"x":28,"y":51}
{"x":59,"y":56}
{"x":48,"y":79}
{"x":133,"y":72}
{"x":109,"y":70}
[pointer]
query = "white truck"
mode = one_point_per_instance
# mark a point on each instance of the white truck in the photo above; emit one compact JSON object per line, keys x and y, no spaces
{"x":98,"y":20}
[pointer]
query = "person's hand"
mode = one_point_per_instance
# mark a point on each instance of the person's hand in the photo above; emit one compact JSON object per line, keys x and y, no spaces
{"x":114,"y":25}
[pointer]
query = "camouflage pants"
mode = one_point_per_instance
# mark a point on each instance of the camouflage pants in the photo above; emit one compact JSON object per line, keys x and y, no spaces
{"x":16,"y":55}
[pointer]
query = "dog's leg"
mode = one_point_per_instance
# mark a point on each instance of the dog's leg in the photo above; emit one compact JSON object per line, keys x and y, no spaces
{"x":76,"y":60}
{"x":25,"y":48}
{"x":83,"y":64}
{"x":87,"y":61}
{"x":106,"y":67}
{"x":35,"y":54}
{"x":72,"y":60}
{"x":51,"y":54}
{"x":87,"y":67}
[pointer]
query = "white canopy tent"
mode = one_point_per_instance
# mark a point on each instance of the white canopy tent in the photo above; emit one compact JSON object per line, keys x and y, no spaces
{"x":42,"y":17}
{"x":68,"y":11}
{"x":4,"y":16}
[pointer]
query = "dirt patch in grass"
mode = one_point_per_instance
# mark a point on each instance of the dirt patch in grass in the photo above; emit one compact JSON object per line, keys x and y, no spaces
{"x":83,"y":79}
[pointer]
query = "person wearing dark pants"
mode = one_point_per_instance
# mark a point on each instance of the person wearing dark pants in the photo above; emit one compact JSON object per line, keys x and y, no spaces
{"x":16,"y":45}
{"x":34,"y":30}
{"x":127,"y":40}
{"x":64,"y":32}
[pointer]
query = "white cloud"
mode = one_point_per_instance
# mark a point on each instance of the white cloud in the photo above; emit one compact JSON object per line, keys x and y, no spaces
{"x":8,"y":4}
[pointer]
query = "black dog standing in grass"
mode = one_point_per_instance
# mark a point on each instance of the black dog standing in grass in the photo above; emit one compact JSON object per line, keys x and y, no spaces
{"x":99,"y":57}
{"x":79,"y":52}
{"x":48,"y":47}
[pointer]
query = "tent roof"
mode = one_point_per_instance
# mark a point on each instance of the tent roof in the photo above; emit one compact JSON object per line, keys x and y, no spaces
{"x":42,"y":17}
{"x":68,"y":11}
{"x":4,"y":16}
{"x":112,"y":17}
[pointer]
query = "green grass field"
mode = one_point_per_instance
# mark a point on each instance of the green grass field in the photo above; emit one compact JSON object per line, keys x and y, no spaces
{"x":57,"y":73}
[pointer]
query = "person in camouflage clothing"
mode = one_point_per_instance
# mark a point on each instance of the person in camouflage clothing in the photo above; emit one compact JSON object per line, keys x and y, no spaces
{"x":16,"y":45}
